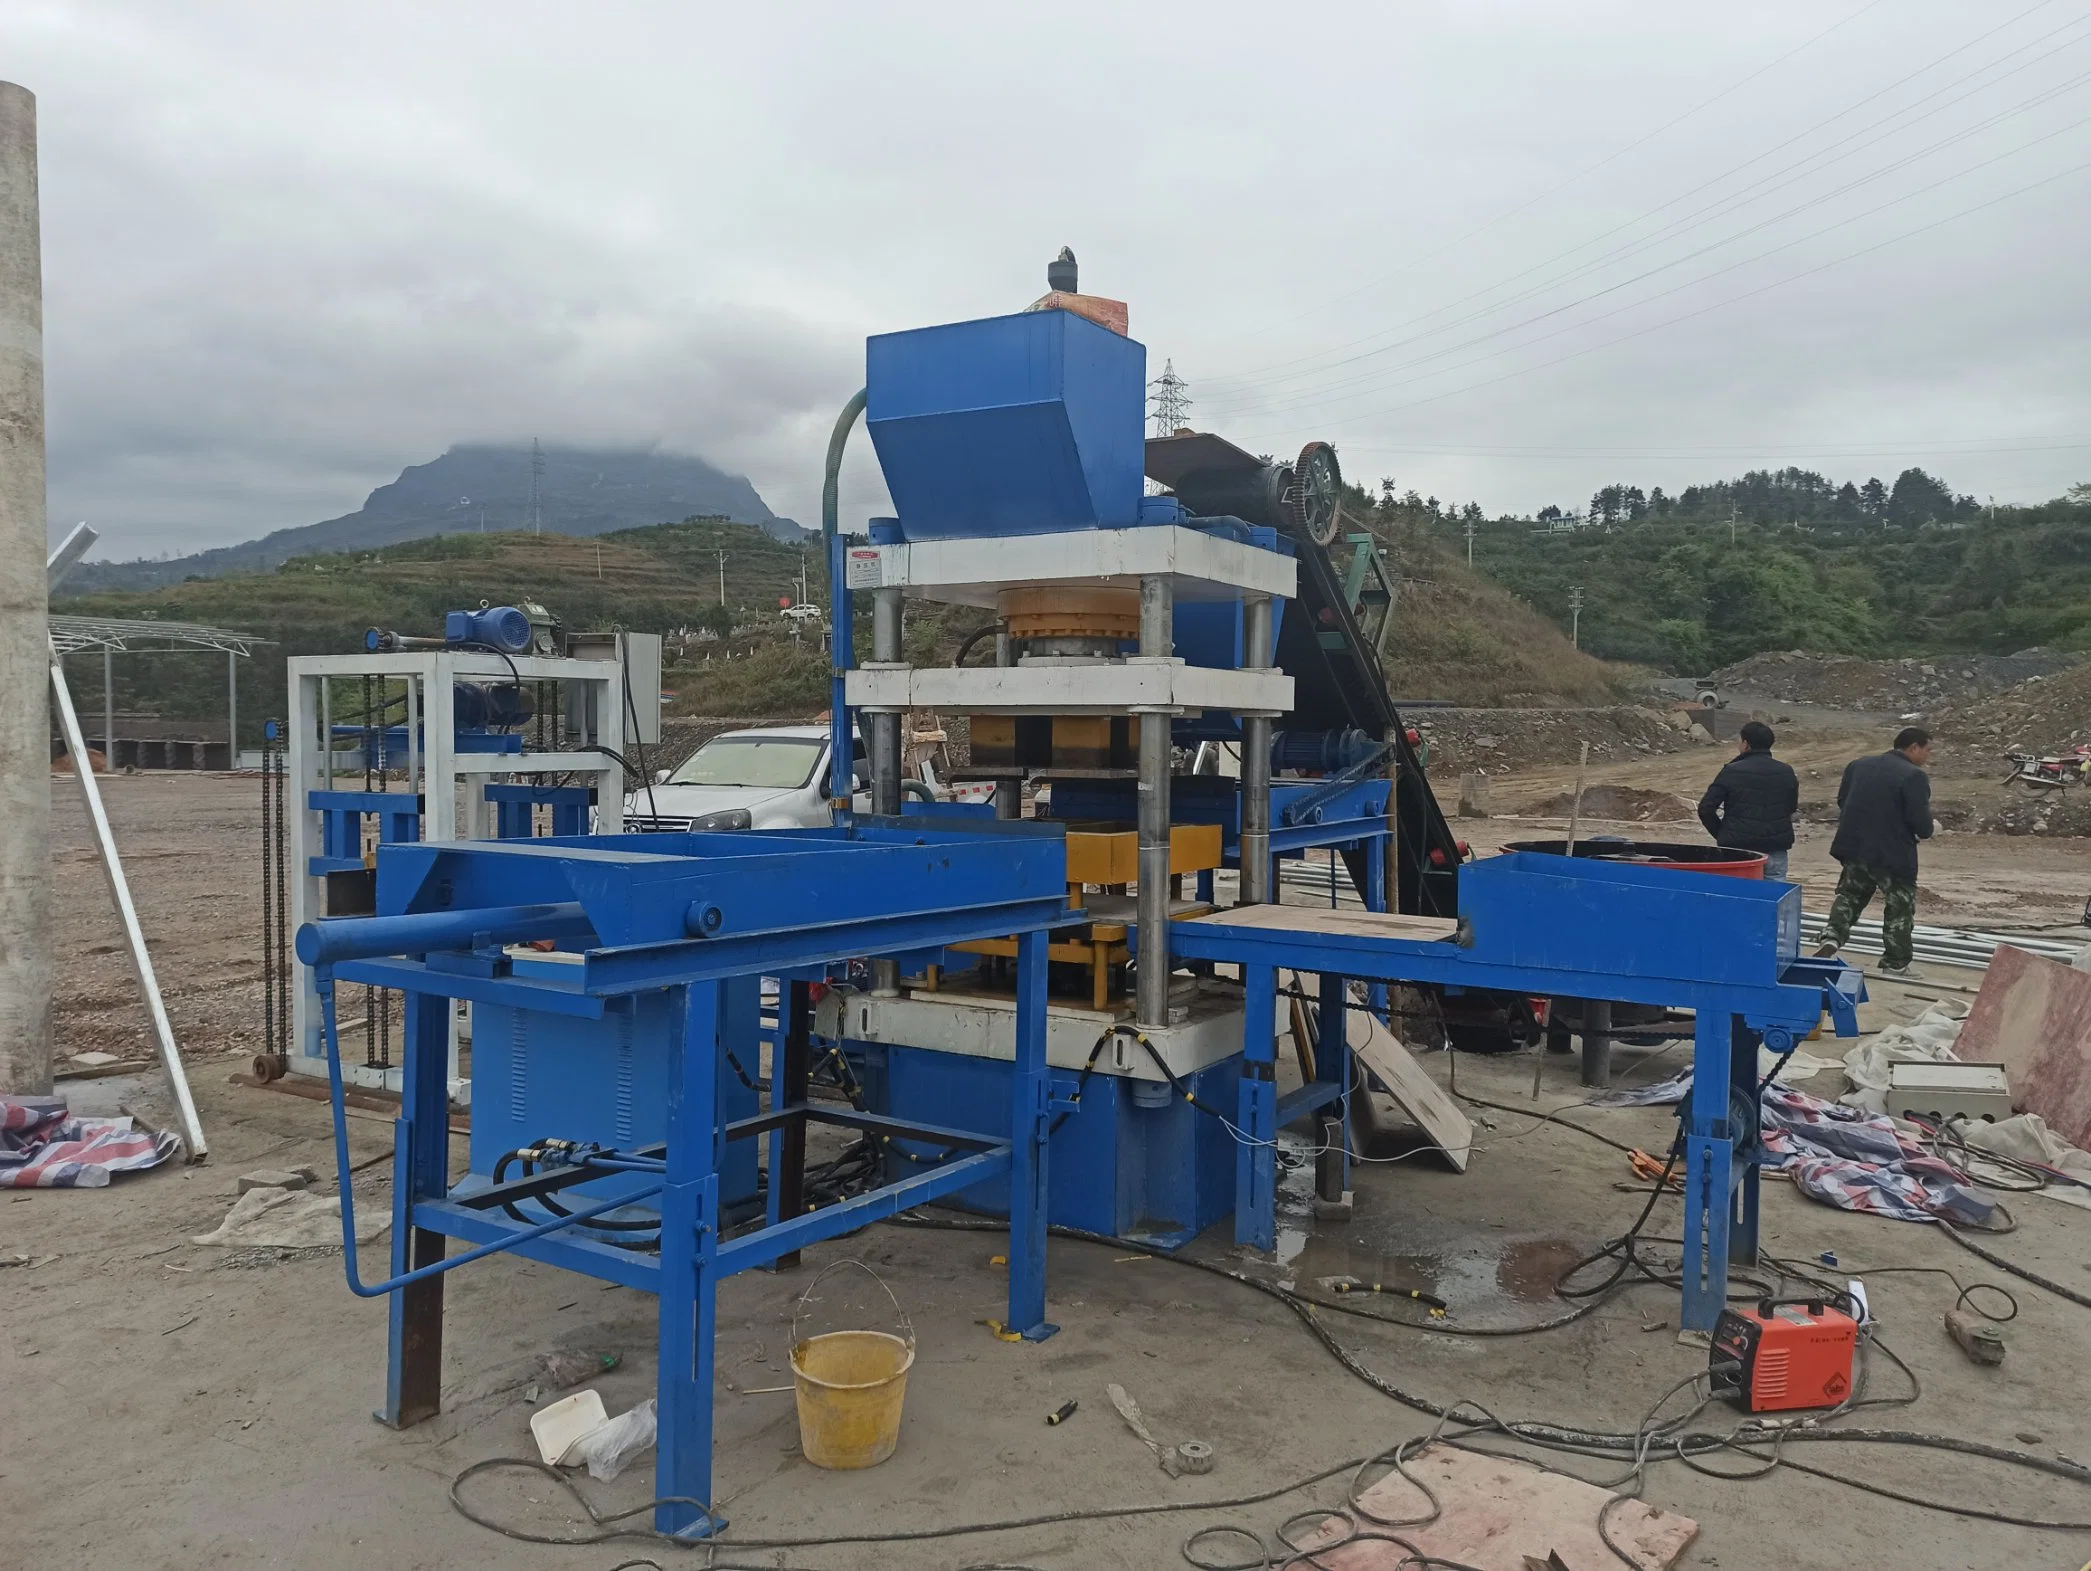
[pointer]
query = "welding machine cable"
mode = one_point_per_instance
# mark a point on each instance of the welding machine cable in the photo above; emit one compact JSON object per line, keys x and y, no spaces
{"x":323,"y":983}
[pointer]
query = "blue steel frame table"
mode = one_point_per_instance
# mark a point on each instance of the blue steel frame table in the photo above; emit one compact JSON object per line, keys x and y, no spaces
{"x":681,"y":913}
{"x":1549,"y":926}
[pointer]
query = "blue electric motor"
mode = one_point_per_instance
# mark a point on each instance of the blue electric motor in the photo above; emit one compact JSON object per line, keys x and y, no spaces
{"x":501,"y":627}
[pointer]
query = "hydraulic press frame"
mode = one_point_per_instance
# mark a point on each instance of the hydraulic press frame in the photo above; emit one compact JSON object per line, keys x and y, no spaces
{"x":684,"y":914}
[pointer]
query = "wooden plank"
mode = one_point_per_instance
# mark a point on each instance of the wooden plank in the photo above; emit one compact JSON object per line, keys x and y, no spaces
{"x":1496,"y":1512}
{"x":1426,"y":1103}
{"x":2033,"y":1016}
{"x":1320,"y":919}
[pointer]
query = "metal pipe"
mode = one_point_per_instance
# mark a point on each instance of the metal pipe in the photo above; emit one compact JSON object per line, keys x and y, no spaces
{"x":232,"y":709}
{"x":1256,"y":761}
{"x":127,"y":914}
{"x":108,"y":706}
{"x":1157,"y":642}
{"x":25,"y":640}
{"x":831,"y":477}
{"x":335,"y":940}
{"x":884,"y":742}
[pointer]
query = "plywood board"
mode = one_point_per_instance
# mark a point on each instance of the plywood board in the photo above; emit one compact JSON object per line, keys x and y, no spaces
{"x":1498,"y":1510}
{"x":1425,"y":1102}
{"x":2033,"y":1016}
{"x":1320,"y":919}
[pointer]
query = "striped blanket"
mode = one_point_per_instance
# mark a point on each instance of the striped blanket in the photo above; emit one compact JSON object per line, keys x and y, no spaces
{"x":42,"y":1146}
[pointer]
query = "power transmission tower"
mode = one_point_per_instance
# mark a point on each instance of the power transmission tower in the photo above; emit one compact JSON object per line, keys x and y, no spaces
{"x":537,"y":487}
{"x":1575,"y":616}
{"x":1171,"y":400}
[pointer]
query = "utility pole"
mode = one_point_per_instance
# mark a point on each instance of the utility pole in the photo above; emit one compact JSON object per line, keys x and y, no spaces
{"x":25,"y":639}
{"x":722,"y":574}
{"x":1470,"y":542}
{"x":1575,"y":616}
{"x":1170,"y":400}
{"x":537,"y":487}
{"x":1731,"y":523}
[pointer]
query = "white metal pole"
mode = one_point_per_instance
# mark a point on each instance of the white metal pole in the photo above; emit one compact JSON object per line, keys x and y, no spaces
{"x":232,"y":709}
{"x":127,"y":912}
{"x":25,"y":640}
{"x":109,"y":705}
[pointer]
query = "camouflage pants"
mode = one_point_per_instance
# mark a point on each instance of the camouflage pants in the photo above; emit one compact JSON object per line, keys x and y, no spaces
{"x":1855,"y":887}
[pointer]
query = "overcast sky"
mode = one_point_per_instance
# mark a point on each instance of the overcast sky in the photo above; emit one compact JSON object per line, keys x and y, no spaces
{"x":1501,"y":250}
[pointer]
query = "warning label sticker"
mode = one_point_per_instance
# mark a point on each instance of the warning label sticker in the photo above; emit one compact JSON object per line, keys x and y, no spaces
{"x":864,"y":567}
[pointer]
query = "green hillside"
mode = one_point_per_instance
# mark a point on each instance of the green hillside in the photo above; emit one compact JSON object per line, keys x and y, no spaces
{"x":1790,"y":560}
{"x":660,"y":579}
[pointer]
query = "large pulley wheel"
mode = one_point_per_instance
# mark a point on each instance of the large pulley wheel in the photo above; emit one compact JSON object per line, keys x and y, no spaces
{"x":1314,"y":498}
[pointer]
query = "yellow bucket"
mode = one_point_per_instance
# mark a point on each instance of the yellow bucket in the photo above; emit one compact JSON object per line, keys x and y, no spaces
{"x":850,"y":1386}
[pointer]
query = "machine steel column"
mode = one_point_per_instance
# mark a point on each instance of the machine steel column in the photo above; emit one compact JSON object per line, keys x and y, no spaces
{"x":884,"y":746}
{"x":1256,"y":1168}
{"x":25,"y":651}
{"x":1390,"y":861}
{"x":689,"y":1264}
{"x":1597,"y":1042}
{"x":1157,"y":642}
{"x":420,"y":1171}
{"x":1030,"y":1129}
{"x":1009,"y":789}
{"x":790,"y":1085}
{"x":1256,"y":762}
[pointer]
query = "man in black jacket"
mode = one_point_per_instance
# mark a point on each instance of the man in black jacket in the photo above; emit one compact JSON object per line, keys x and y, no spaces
{"x":1884,"y":810}
{"x":1751,"y":802}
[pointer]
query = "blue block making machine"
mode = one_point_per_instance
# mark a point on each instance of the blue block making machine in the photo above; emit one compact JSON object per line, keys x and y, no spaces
{"x":1062,"y":1019}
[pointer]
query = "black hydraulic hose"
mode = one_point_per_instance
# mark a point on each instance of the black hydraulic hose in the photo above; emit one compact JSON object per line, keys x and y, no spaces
{"x":973,"y":638}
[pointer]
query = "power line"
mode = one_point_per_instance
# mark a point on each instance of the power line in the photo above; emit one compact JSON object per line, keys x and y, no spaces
{"x":1746,"y":261}
{"x":1681,"y":226}
{"x":1588,"y":170}
{"x":1747,"y":294}
{"x":1682,"y":196}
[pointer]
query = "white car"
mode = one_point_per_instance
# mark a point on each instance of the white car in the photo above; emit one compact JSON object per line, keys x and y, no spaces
{"x":775,"y":778}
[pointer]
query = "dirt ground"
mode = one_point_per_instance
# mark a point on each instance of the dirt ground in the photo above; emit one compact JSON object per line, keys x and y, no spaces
{"x":171,"y":1411}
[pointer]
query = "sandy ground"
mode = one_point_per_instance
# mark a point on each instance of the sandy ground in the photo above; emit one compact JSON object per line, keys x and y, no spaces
{"x":187,"y":1415}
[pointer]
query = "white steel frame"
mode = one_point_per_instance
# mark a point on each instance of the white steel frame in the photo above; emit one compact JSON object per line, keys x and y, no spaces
{"x":436,"y":771}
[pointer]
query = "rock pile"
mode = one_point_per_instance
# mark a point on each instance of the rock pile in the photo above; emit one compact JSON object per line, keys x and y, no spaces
{"x":1887,"y":686}
{"x":1499,"y":740}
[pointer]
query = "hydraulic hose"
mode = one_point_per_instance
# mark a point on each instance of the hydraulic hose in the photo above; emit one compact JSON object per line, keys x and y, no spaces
{"x":323,"y":983}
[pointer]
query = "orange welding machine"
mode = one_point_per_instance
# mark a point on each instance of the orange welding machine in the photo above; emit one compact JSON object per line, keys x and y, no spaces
{"x":1783,"y":1353}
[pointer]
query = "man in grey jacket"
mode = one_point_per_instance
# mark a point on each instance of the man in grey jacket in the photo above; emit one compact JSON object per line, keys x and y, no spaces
{"x":1884,"y":809}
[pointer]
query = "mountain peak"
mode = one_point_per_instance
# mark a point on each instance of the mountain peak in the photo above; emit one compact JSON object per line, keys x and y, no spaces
{"x":491,"y":487}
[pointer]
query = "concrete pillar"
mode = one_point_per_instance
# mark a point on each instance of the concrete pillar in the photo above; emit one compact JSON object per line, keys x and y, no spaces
{"x":25,"y":639}
{"x":1157,"y":642}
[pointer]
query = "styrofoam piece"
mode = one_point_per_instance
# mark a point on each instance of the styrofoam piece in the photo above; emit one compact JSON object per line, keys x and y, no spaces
{"x":557,"y":1425}
{"x":974,"y":571}
{"x":1099,"y":687}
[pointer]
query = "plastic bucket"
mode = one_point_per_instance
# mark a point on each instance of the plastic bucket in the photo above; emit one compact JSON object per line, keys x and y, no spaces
{"x":850,"y":1385}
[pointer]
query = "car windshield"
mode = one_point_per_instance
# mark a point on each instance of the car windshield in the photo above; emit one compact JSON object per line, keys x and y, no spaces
{"x":781,"y":763}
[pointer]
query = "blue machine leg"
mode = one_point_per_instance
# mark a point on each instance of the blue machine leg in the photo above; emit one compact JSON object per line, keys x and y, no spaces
{"x":1030,"y":1124}
{"x":1205,"y":887}
{"x":1376,"y":900}
{"x":1709,"y":1158}
{"x":1742,"y":1071}
{"x":420,"y":1171}
{"x":1256,"y":1159}
{"x":1332,"y":1067}
{"x":688,"y":1284}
